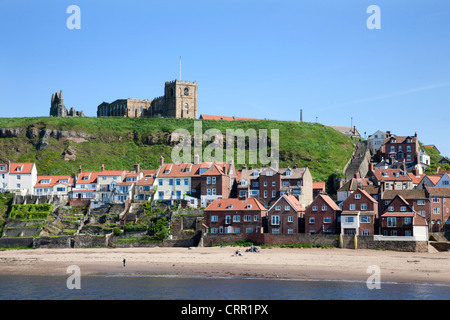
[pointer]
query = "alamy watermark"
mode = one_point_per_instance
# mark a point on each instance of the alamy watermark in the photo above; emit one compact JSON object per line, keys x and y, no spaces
{"x":374,"y":21}
{"x":74,"y":20}
{"x":74,"y":280}
{"x":238,"y":144}
{"x":374,"y":280}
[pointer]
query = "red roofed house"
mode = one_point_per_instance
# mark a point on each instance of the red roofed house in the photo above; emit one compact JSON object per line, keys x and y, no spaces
{"x":390,"y":179}
{"x":400,"y":148}
{"x":144,"y":186}
{"x":53,"y":185}
{"x":284,"y":215}
{"x":85,"y":188}
{"x":217,"y":180}
{"x":400,"y":220}
{"x":318,"y":187}
{"x":322,"y":216}
{"x":18,"y":177}
{"x":359,"y":214}
{"x":233,"y":215}
{"x":440,"y":208}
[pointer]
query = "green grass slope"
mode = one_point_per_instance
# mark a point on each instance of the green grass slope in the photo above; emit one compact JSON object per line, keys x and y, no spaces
{"x":120,"y":142}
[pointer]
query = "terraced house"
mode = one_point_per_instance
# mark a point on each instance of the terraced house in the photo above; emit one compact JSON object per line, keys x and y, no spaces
{"x":322,"y":216}
{"x":284,"y":217}
{"x":18,"y":177}
{"x":359,"y":214}
{"x":233,"y":215}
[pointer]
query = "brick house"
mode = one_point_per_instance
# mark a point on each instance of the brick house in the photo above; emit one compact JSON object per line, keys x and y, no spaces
{"x":439,"y":208}
{"x":399,"y":219}
{"x":418,"y":199}
{"x":269,"y":184}
{"x":400,"y":148}
{"x":284,"y":215}
{"x":241,"y":216}
{"x":217,"y":181}
{"x":321,"y":217}
{"x":359,"y":214}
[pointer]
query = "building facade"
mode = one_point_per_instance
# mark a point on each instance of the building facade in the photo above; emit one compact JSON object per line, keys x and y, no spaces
{"x":179,"y":101}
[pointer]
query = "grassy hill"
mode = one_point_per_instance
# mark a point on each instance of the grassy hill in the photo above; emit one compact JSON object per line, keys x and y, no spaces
{"x":120,"y":142}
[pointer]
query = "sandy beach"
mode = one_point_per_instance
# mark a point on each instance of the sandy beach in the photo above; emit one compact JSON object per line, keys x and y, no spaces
{"x":317,"y":264}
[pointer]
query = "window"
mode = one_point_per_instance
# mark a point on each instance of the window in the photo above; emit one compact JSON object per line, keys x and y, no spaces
{"x":274,"y":194}
{"x":247,"y":218}
{"x":275,"y":231}
{"x":230,"y":206}
{"x":186,"y":182}
{"x":327,"y":220}
{"x":214,"y":192}
{"x":394,"y":233}
{"x":290,"y":231}
{"x":285,"y":183}
{"x":227,"y":219}
{"x":408,"y":148}
{"x":352,"y":206}
{"x":357,"y":196}
{"x":365,"y":232}
{"x":391,"y":209}
{"x":290,"y":219}
{"x":18,"y":186}
{"x":365,"y":219}
{"x":255,"y":184}
{"x":161,"y":194}
{"x":60,"y":189}
{"x":269,"y":173}
{"x":275,"y":220}
{"x":249,"y":206}
{"x":287,"y":208}
{"x":273,"y":183}
{"x":214,"y":218}
{"x":363,"y":206}
{"x":324,"y":208}
{"x":236,"y":230}
{"x":314,"y":208}
{"x":178,"y":181}
{"x":214,"y":230}
{"x":208,"y":192}
{"x":265,"y":193}
{"x":349,"y":219}
{"x":408,"y":233}
{"x":436,"y":200}
{"x":236,"y":218}
{"x":208,"y":180}
{"x":391,"y":222}
{"x":19,"y":177}
{"x":265,"y":183}
{"x":312,"y":220}
{"x":288,"y":173}
{"x":277,"y":208}
{"x":420,"y":202}
{"x":170,"y":182}
{"x":436,"y":210}
{"x":248,"y":230}
{"x":255,"y":218}
{"x":403,"y":208}
{"x":407,"y":220}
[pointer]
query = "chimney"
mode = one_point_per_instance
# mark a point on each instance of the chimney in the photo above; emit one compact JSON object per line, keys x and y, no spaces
{"x":137,"y":167}
{"x":437,"y":170}
{"x":161,"y":161}
{"x":80,"y":171}
{"x":357,"y":175}
{"x":225,"y":169}
{"x":370,"y":166}
{"x":103,"y":167}
{"x":388,"y":134}
{"x":415,"y":134}
{"x":196,"y":159}
{"x":296,"y":166}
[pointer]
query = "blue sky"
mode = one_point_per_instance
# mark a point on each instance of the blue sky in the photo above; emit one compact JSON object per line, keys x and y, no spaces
{"x":262,"y":59}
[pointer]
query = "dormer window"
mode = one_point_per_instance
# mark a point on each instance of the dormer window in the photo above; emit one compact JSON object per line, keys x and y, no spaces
{"x":384,"y":174}
{"x":392,"y":140}
{"x":64,"y":181}
{"x":19,"y":169}
{"x":45,"y":181}
{"x":288,"y":173}
{"x":408,"y":140}
{"x":269,"y":173}
{"x":243,"y":182}
{"x":85,"y":178}
{"x":249,"y":206}
{"x":256,"y":173}
{"x":230,"y":206}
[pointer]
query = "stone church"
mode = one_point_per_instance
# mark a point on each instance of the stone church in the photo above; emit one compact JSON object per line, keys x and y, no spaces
{"x":179,"y":101}
{"x":58,"y":109}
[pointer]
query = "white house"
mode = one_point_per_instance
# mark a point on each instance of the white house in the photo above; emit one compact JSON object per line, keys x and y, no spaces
{"x":53,"y":185}
{"x":18,"y":177}
{"x":375,"y":141}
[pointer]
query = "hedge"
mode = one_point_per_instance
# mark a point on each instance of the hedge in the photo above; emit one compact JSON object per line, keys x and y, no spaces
{"x":30,"y":211}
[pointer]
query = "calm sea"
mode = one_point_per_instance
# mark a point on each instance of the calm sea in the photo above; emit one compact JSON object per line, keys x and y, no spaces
{"x":25,"y":287}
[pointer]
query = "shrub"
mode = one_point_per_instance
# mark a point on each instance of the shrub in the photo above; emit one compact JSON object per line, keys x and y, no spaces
{"x":161,"y":229}
{"x":116,"y":231}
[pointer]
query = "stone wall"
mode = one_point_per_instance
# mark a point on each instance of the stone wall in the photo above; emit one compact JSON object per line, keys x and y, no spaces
{"x":363,"y":242}
{"x":16,"y":242}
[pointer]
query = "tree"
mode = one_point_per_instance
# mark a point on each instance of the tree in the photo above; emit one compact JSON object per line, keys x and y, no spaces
{"x":161,"y":229}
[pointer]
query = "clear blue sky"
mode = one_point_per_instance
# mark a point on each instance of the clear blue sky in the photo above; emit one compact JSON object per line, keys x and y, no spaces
{"x":263,"y":59}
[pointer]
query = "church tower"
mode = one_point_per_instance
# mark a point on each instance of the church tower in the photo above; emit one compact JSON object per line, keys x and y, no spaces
{"x":180,"y":99}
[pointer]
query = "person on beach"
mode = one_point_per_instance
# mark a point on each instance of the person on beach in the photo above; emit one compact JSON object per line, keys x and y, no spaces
{"x":124,"y":262}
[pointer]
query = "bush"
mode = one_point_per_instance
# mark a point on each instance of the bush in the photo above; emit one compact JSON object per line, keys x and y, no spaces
{"x":30,"y":211}
{"x":161,"y":229}
{"x":116,"y":231}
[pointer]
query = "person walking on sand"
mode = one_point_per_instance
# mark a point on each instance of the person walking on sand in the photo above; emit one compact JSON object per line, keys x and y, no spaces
{"x":124,"y":262}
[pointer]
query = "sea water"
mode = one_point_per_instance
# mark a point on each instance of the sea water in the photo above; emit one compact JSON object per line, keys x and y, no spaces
{"x":144,"y":287}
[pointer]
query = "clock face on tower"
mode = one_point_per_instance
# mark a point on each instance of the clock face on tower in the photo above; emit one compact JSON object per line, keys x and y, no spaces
{"x":186,"y":91}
